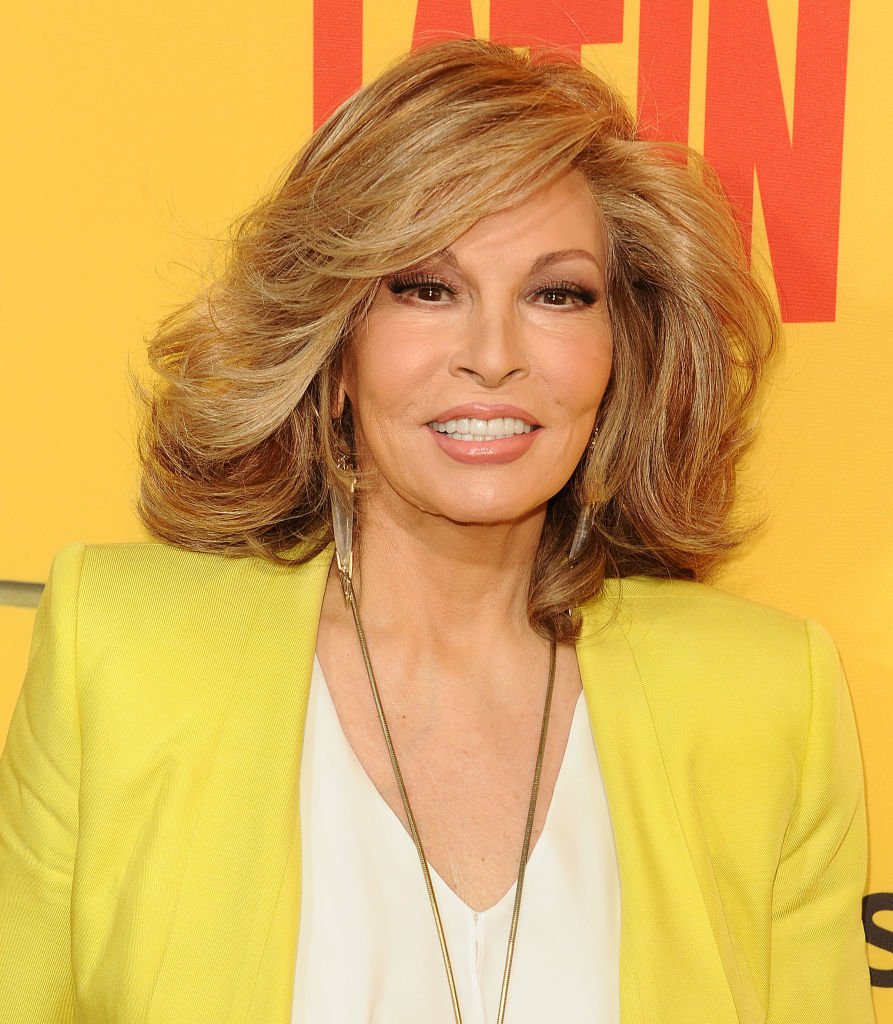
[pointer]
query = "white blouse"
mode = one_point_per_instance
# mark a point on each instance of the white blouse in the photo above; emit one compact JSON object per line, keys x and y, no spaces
{"x":367,"y":946}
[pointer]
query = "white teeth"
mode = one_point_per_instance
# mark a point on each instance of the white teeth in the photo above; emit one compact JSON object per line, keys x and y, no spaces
{"x":467,"y":429}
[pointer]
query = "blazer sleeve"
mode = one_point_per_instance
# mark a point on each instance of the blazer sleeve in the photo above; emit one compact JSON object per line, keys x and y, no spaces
{"x":39,"y":785}
{"x":819,"y":966}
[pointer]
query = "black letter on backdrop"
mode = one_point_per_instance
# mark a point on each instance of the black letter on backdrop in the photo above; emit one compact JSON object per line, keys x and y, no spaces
{"x":877,"y":936}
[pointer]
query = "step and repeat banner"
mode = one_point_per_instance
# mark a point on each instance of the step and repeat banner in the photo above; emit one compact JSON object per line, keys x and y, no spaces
{"x":135,"y":135}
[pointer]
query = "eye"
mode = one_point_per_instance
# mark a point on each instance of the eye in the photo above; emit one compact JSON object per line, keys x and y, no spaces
{"x":427,"y":289}
{"x":565,"y":293}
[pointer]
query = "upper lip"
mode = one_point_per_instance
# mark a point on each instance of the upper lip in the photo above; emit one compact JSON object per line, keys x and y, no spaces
{"x":479,"y":411}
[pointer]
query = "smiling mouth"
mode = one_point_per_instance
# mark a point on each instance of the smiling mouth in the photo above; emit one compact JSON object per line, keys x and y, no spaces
{"x":468,"y":429}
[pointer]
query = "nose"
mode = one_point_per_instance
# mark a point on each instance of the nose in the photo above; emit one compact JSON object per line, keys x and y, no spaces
{"x":493,"y":349}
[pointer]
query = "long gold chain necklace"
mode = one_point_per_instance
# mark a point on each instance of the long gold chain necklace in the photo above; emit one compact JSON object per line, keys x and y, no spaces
{"x":347,"y":585}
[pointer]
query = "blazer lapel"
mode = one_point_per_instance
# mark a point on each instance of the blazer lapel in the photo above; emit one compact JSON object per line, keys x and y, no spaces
{"x":231,"y":951}
{"x":670,"y":964}
{"x":230,"y":956}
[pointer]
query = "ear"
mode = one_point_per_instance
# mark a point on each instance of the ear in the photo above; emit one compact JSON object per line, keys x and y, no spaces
{"x":343,"y":381}
{"x":338,"y":393}
{"x":338,"y":397}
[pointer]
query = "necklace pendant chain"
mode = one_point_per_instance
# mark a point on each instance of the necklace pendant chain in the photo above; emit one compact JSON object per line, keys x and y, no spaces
{"x":350,"y":598}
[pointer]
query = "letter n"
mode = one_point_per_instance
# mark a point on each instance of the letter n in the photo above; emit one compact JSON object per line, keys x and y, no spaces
{"x":746,"y":133}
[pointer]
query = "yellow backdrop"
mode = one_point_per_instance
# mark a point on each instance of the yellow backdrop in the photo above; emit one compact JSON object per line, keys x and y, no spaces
{"x":135,"y":134}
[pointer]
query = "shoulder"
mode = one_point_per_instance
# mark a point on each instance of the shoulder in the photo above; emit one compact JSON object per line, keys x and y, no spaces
{"x":137,"y":593}
{"x":155,"y":566}
{"x":700,"y":626}
{"x":154,"y":570}
{"x":720,"y":672}
{"x":649,"y":605}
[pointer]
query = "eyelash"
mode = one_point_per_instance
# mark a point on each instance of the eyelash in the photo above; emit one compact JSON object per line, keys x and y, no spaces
{"x":405,"y":283}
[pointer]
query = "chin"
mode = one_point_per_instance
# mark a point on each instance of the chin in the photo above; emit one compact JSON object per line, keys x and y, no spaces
{"x":496,"y":513}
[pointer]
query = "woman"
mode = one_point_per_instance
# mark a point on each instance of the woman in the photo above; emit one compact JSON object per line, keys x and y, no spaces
{"x":505,"y":355}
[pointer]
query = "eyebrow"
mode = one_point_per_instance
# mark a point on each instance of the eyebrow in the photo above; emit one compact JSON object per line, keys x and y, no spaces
{"x":448,"y":256}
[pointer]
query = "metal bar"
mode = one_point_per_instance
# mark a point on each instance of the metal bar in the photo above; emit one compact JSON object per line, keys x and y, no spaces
{"x":20,"y":594}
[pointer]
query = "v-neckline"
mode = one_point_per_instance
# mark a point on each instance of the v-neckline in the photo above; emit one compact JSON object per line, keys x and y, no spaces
{"x":387,"y":812}
{"x":247,"y":886}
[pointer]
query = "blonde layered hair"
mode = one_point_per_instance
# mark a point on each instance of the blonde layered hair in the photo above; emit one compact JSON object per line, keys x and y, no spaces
{"x":240,"y":448}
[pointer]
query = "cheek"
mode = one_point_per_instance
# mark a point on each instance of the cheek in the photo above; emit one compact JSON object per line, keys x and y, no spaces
{"x":582,"y":377}
{"x":391,"y":366}
{"x":385,"y":391}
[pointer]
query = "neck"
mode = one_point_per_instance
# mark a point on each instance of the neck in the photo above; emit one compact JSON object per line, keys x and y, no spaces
{"x":437,"y":581}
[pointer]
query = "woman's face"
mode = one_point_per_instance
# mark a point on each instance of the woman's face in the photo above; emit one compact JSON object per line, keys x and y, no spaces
{"x":476,"y":377}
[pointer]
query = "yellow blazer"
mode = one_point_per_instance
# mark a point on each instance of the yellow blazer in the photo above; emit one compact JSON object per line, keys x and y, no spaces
{"x":150,"y":847}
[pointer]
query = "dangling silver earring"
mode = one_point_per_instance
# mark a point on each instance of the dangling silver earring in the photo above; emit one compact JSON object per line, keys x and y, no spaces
{"x":342,"y":529}
{"x":581,"y":534}
{"x":584,"y":520}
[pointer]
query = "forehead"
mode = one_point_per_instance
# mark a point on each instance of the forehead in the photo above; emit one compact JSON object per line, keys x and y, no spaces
{"x":562,"y":215}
